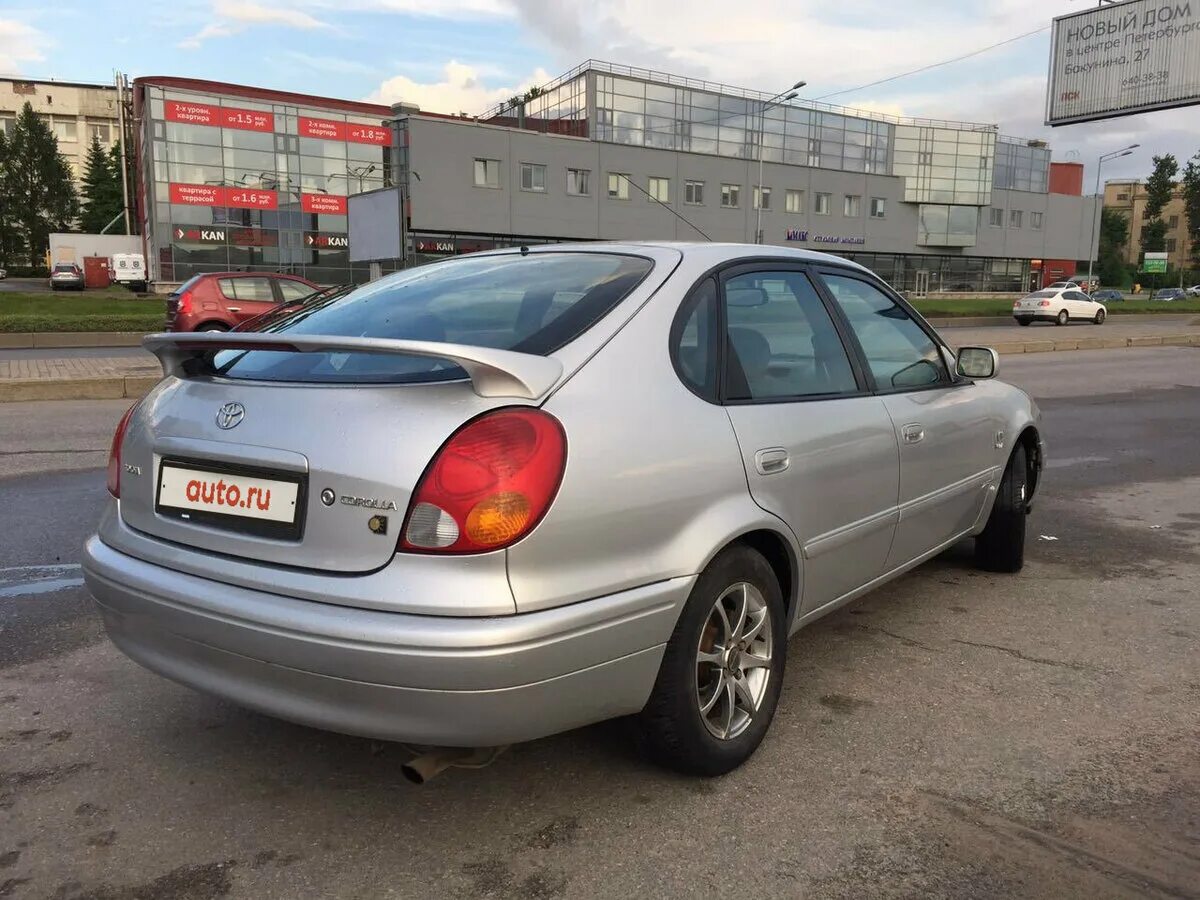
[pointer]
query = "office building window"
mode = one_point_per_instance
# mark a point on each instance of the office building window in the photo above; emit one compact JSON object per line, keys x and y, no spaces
{"x":693,"y":193}
{"x":487,"y":173}
{"x":1172,"y":245}
{"x":1014,"y":218}
{"x":852,"y":207}
{"x":762,"y":198}
{"x":996,"y":217}
{"x":533,"y":177}
{"x":925,"y":158}
{"x":793,"y":201}
{"x":821,"y":204}
{"x":660,"y":189}
{"x":618,"y":185}
{"x":1035,"y":221}
{"x":878,"y":208}
{"x":731,"y":195}
{"x":1173,"y":222}
{"x":100,"y":132}
{"x":64,"y":130}
{"x":579,"y":182}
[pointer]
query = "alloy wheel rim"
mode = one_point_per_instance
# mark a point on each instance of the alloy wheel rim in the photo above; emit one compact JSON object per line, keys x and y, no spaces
{"x":733,"y":661}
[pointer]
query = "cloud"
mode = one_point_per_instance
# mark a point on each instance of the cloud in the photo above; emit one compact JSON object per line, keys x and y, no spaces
{"x":439,"y":9}
{"x":20,"y":43}
{"x":461,"y":89}
{"x":233,"y":16}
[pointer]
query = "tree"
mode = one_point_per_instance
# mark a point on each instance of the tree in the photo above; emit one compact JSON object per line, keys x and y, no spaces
{"x":1154,"y":236}
{"x":1160,"y":185}
{"x":1191,"y":206}
{"x":101,"y":194}
{"x":38,"y":184}
{"x":1114,"y":235}
{"x":11,"y":243}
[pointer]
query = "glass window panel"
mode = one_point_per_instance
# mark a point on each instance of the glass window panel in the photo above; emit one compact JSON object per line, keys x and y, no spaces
{"x":193,"y":134}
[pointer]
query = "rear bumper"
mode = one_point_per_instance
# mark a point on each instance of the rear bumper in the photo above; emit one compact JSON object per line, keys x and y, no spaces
{"x":1035,"y":317}
{"x":422,"y":679}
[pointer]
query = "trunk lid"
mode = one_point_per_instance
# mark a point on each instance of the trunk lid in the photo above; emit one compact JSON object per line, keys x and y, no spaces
{"x":367,"y":444}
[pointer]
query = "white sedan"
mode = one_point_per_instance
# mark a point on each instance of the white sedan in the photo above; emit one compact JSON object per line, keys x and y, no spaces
{"x":1058,"y":305}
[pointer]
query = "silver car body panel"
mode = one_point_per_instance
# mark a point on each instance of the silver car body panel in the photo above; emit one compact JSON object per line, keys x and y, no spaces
{"x":567,"y":626}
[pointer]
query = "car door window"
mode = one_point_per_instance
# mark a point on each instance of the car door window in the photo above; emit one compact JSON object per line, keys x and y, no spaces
{"x":294,"y":290}
{"x":253,"y":289}
{"x":780,"y":340}
{"x":899,"y":353}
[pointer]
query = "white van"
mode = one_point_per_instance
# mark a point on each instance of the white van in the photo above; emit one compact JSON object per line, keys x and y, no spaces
{"x":129,"y":269}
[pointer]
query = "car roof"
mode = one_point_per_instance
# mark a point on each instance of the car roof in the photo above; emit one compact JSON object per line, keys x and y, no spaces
{"x":713,"y":252}
{"x":288,"y":275}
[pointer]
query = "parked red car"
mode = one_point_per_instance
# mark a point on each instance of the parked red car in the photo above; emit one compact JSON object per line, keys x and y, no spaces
{"x":219,"y":301}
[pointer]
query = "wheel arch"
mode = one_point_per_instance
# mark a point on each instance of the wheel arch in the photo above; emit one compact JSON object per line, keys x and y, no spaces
{"x":781,"y":556}
{"x":1030,"y":438}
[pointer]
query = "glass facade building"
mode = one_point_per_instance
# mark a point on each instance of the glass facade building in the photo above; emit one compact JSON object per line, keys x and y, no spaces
{"x":253,"y":180}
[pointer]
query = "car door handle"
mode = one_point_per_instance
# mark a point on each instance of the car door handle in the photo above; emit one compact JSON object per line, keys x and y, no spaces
{"x":234,"y":308}
{"x":771,"y":461}
{"x":913,"y":433}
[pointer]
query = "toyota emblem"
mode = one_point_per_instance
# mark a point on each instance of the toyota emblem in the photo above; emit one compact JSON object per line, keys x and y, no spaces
{"x":230,"y":415}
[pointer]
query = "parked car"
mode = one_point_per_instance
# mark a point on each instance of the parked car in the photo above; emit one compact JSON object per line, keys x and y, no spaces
{"x":1058,"y":305}
{"x":1108,"y":296}
{"x":514,"y":493}
{"x":3,"y":274}
{"x":66,"y":276}
{"x":277,"y":313}
{"x":1172,"y":293}
{"x":1194,"y":290}
{"x":219,"y":301}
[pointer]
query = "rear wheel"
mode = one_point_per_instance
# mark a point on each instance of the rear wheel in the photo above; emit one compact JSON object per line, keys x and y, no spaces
{"x":1063,"y":317}
{"x":1101,"y":315}
{"x":722,"y":671}
{"x":213,"y":326}
{"x":1001,"y":545}
{"x":1023,"y":322}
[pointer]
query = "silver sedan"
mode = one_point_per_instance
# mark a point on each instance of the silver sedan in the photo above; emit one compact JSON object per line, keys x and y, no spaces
{"x":510,"y":494}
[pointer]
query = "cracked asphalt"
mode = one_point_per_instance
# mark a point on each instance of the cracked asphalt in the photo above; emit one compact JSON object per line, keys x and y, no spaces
{"x":954,"y":734}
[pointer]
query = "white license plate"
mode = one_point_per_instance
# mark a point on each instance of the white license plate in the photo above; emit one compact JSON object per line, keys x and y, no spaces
{"x":240,"y":496}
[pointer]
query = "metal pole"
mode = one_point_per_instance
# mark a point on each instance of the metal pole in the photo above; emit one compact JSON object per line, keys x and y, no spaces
{"x":1094,"y":238}
{"x":120,"y":79}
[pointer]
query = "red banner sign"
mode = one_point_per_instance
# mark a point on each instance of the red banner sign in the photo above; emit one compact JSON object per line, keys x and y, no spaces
{"x":322,"y":128}
{"x":329,"y":130}
{"x":198,"y":194}
{"x":251,"y":198}
{"x":330,"y":204}
{"x":227,"y":116}
{"x":368,"y":134}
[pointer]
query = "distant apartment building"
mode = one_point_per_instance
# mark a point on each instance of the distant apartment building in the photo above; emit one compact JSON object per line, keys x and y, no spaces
{"x":75,"y":111}
{"x":1129,"y":199}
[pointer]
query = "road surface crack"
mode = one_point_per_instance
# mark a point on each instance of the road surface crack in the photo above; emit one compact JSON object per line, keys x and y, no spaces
{"x":1018,"y":654}
{"x":899,"y":637}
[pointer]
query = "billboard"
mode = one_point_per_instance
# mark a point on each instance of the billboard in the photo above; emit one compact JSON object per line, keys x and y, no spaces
{"x":375,"y":225}
{"x":1155,"y":263}
{"x":1124,"y":58}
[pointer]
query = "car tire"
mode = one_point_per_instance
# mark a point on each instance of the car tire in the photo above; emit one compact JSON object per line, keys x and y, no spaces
{"x":1101,"y":315}
{"x":1024,"y":322}
{"x":1063,"y":317}
{"x":1000,"y":547}
{"x":674,"y":728}
{"x":212,"y":327}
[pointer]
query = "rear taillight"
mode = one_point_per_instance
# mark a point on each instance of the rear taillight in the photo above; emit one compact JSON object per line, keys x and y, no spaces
{"x":489,"y":485}
{"x":114,"y":453}
{"x":184,"y":306}
{"x":1043,"y":303}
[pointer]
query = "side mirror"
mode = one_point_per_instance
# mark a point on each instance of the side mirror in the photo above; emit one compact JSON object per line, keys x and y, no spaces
{"x":978,"y":362}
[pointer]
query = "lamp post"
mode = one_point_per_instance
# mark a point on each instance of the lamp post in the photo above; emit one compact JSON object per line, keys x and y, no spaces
{"x":1094,"y":238}
{"x":782,"y":97}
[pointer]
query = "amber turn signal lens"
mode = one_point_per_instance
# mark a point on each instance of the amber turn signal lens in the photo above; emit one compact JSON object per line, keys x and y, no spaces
{"x":498,"y":519}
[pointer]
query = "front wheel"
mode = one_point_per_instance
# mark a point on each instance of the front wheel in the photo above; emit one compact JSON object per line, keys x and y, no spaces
{"x":1063,"y":317}
{"x":1101,"y":315}
{"x":1001,"y":545}
{"x":722,"y":671}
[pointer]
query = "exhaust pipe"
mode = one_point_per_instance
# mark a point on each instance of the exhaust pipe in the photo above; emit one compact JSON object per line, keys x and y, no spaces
{"x":432,"y":761}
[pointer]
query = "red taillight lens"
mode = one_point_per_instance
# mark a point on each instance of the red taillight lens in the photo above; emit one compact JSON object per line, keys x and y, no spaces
{"x":489,"y":485}
{"x":1043,"y":303}
{"x":185,"y":304}
{"x":114,"y":453}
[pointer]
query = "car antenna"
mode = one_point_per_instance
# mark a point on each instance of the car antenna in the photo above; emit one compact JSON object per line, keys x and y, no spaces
{"x":676,"y":214}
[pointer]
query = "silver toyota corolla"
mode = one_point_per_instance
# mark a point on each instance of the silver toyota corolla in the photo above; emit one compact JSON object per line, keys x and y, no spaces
{"x":513,"y":493}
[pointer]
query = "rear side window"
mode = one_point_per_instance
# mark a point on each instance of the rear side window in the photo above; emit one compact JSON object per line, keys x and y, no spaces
{"x":256,"y":289}
{"x":529,"y":303}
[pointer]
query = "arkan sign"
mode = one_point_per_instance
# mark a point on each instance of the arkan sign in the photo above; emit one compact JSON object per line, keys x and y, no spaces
{"x":803,"y":236}
{"x":200,"y":235}
{"x":326,"y":241}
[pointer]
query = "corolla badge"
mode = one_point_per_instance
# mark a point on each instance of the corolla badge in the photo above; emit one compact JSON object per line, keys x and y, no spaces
{"x":230,"y":415}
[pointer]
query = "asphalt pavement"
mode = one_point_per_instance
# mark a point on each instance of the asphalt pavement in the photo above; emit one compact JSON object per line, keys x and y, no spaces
{"x":954,"y":734}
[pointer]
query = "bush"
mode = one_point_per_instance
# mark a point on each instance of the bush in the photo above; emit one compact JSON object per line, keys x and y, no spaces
{"x":26,"y":271}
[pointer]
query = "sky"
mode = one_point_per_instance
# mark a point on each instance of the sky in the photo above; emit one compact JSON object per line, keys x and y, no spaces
{"x":464,"y":55}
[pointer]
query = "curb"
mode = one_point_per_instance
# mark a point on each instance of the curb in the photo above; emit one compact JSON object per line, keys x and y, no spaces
{"x":130,"y":387}
{"x":52,"y":340}
{"x":1191,"y":339}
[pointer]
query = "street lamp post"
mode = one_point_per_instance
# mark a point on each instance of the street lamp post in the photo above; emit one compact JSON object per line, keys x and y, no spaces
{"x":1094,"y":238}
{"x":782,"y":97}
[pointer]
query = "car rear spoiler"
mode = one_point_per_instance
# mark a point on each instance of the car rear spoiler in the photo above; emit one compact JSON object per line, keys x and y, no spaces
{"x":493,"y":373}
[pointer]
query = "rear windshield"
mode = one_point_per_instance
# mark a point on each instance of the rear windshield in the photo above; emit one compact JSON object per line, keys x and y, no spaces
{"x":530,"y":303}
{"x":64,"y":268}
{"x":1044,"y":294}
